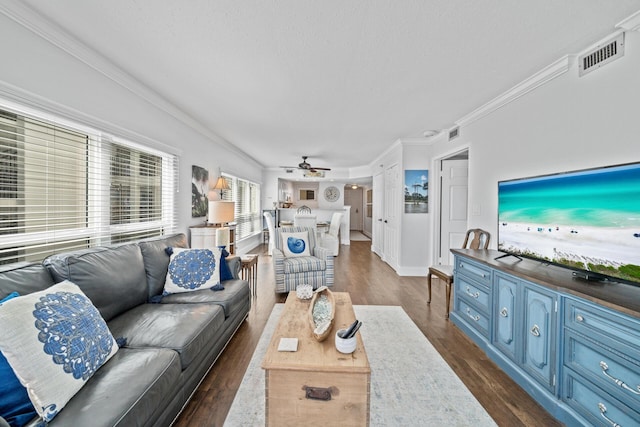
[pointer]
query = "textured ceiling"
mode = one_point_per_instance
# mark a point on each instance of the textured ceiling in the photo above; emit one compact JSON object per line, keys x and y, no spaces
{"x":339,"y":81}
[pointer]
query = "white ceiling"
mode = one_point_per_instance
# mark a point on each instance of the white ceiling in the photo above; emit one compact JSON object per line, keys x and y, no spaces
{"x":339,"y":81}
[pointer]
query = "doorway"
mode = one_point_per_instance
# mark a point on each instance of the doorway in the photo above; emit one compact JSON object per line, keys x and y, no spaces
{"x":452,"y":221}
{"x":354,"y":198}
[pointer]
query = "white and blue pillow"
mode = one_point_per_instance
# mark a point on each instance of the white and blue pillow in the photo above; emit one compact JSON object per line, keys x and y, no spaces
{"x":295,"y":244}
{"x":54,"y":340}
{"x":192,"y":269}
{"x":15,"y":406}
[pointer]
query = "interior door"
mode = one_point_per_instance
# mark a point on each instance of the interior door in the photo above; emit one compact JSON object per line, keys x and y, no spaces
{"x":390,"y":220}
{"x":377,"y":239}
{"x":453,"y":207}
{"x":353,"y":198}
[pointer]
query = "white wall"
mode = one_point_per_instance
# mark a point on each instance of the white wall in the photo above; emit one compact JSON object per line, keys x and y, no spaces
{"x":35,"y":71}
{"x":566,"y":124}
{"x":415,"y":233}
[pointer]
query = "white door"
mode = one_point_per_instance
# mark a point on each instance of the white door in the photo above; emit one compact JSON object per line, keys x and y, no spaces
{"x":453,"y":205}
{"x":377,"y":229}
{"x":390,"y":219}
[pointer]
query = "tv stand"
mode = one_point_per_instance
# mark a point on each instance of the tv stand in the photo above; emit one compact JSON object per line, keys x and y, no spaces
{"x":558,"y":338}
{"x":506,"y":255}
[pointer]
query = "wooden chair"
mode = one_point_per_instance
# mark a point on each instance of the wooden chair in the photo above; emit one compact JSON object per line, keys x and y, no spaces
{"x":474,"y":239}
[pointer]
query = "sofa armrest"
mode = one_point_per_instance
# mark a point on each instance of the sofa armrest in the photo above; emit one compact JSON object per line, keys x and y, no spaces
{"x":234,"y":263}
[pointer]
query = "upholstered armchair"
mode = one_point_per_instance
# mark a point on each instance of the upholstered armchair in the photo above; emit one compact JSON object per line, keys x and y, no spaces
{"x":301,"y":261}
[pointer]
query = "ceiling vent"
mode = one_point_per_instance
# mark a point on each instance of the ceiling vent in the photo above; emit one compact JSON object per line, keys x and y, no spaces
{"x":601,"y":55}
{"x":454,"y":133}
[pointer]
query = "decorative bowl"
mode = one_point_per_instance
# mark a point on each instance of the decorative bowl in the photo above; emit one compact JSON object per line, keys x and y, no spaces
{"x":322,"y":311}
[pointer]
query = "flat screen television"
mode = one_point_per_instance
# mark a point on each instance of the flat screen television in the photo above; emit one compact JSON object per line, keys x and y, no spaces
{"x":586,"y":220}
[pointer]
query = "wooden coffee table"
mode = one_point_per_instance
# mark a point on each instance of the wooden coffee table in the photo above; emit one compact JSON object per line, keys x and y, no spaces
{"x":316,"y":385}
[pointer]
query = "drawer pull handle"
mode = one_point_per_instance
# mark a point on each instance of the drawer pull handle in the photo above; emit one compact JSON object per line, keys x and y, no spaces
{"x":603,"y":411}
{"x":317,"y":393}
{"x":535,"y":331}
{"x":472,"y":295}
{"x":476,"y":317}
{"x":504,"y":312}
{"x":605,"y":368}
{"x":579,"y":318}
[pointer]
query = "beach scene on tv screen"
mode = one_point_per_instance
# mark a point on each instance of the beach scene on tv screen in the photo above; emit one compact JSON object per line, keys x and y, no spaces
{"x":588,"y":220}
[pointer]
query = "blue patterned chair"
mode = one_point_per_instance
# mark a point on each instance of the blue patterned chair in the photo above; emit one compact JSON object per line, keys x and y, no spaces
{"x":315,"y":270}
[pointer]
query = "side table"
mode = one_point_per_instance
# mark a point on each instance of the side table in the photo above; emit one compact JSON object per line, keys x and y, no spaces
{"x":249,"y":270}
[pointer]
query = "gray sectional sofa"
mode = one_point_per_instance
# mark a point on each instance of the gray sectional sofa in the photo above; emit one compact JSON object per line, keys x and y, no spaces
{"x":171,"y":342}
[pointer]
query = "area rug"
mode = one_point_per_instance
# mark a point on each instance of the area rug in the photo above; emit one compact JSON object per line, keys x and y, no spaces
{"x":411,"y":385}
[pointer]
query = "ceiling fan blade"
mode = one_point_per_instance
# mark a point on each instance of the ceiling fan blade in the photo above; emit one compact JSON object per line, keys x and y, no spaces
{"x":321,"y":169}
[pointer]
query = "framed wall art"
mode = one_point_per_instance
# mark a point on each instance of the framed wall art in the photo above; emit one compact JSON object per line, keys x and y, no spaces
{"x":416,"y":191}
{"x":199,"y":191}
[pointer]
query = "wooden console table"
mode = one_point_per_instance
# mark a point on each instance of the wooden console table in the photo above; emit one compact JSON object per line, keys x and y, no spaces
{"x":204,"y":237}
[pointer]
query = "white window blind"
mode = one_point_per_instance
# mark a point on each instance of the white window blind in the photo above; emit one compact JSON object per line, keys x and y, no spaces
{"x":64,"y":188}
{"x":246,"y":194}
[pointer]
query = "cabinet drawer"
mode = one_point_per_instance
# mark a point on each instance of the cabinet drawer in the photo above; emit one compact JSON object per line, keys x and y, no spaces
{"x":618,"y":374}
{"x":476,"y":295}
{"x":597,"y":406}
{"x":473,"y":270}
{"x":477,"y":319}
{"x":610,"y":327}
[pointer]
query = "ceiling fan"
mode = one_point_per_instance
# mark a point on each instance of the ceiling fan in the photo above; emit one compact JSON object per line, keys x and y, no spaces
{"x":306,"y":166}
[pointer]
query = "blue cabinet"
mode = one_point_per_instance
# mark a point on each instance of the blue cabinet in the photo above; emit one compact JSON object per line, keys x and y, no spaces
{"x":539,"y":344}
{"x":579,"y":359}
{"x":524,"y":322}
{"x":601,"y":364}
{"x":505,"y":290}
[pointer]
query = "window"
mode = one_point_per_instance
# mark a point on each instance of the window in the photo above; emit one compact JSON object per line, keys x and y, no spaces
{"x":246,"y":194}
{"x":63,"y":187}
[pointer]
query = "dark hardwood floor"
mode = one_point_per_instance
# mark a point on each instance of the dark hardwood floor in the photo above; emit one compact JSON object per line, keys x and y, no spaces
{"x":369,"y":281}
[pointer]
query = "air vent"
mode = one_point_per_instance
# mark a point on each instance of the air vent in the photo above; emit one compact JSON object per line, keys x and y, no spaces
{"x":601,"y":55}
{"x":454,"y":133}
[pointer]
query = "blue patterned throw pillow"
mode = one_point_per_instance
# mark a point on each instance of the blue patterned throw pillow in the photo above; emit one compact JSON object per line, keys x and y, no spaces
{"x":54,"y":340}
{"x":192,"y":270}
{"x":295,"y":244}
{"x":15,"y":406}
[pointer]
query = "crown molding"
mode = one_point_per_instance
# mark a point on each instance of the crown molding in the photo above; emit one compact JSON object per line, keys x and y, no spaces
{"x":543,"y":76}
{"x":631,"y":23}
{"x":25,"y":102}
{"x":59,"y":37}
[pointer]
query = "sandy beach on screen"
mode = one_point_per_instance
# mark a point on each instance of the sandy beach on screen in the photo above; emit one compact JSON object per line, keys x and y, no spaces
{"x":606,"y":246}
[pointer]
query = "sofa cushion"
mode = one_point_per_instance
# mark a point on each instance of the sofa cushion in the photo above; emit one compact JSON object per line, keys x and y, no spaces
{"x":156,"y":259}
{"x":129,"y":390}
{"x":185,"y":328}
{"x":235,"y":294}
{"x":113,"y":278}
{"x":304,"y":264}
{"x":54,"y":340}
{"x":192,"y":269}
{"x":295,"y":244}
{"x":24,"y":278}
{"x":15,"y":405}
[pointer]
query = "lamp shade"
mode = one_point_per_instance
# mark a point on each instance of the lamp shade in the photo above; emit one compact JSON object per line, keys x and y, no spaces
{"x":220,"y":212}
{"x":222,"y":236}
